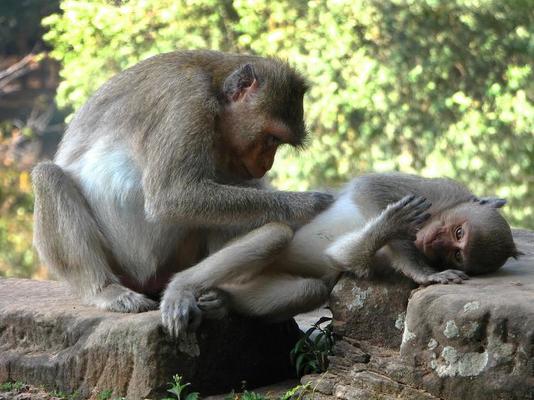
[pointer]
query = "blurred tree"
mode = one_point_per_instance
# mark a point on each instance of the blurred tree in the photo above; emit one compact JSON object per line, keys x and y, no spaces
{"x":27,"y":90}
{"x":438,"y":87}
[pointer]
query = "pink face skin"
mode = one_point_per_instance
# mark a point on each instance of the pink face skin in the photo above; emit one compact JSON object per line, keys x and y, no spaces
{"x":251,"y":147}
{"x":250,"y":138}
{"x":444,"y":240}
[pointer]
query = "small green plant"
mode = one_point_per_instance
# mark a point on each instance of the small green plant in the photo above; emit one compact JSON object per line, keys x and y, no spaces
{"x":9,"y":386}
{"x":245,"y":395}
{"x":293,"y":393}
{"x":310,"y":354}
{"x":177,"y":387}
{"x":296,"y":392}
{"x":105,"y":394}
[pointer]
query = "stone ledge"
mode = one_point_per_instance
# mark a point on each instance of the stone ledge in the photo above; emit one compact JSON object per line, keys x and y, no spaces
{"x":473,"y":341}
{"x":47,"y":338}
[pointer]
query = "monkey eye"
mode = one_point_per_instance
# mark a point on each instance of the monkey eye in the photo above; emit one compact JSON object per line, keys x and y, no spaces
{"x":273,"y":141}
{"x":459,"y":233}
{"x":458,"y":257}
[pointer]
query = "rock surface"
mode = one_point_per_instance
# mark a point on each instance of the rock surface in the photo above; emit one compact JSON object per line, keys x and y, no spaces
{"x":47,"y":338}
{"x":472,"y":341}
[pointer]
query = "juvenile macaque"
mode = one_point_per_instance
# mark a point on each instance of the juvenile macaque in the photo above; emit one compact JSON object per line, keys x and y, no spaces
{"x":162,"y":163}
{"x":431,"y":230}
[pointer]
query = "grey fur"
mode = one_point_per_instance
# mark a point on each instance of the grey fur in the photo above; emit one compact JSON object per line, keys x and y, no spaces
{"x":139,"y":190}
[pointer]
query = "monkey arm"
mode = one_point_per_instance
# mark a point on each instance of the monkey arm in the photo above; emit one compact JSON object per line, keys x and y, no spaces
{"x":211,"y":203}
{"x":405,"y":258}
{"x":356,"y":250}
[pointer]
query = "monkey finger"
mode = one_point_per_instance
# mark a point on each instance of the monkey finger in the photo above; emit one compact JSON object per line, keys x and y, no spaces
{"x":405,"y":201}
{"x":322,"y":200}
{"x":460,"y":274}
{"x":422,"y":218}
{"x":208,"y":296}
{"x":207,"y":304}
{"x":420,"y":207}
{"x":195,"y":318}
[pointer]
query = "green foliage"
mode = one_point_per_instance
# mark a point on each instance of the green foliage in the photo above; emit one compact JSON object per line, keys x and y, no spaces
{"x":246,"y":395}
{"x":105,"y":394}
{"x":9,"y":386}
{"x":310,"y":354}
{"x":294,"y":393}
{"x":436,"y":87}
{"x":177,"y":387}
{"x":16,"y":205}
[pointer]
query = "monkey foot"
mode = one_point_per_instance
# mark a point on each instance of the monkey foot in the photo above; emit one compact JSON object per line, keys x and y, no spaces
{"x":213,"y":303}
{"x":179,"y":312}
{"x":118,"y":298}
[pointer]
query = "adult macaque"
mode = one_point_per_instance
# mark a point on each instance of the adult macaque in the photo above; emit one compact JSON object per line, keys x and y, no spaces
{"x":431,"y":230}
{"x":163,"y":157}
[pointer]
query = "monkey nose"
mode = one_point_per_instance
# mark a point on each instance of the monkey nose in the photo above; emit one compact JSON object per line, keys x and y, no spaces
{"x":441,"y":245}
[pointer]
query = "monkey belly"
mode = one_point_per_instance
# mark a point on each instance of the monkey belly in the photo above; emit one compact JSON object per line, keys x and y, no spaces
{"x":146,"y":253}
{"x":305,"y":253}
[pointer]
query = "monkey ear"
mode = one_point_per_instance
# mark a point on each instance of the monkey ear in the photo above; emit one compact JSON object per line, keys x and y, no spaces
{"x":241,"y":83}
{"x":490,"y":201}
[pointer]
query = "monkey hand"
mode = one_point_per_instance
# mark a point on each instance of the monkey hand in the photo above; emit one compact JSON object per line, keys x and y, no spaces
{"x":307,"y":205}
{"x":180,"y":313}
{"x":404,"y":217}
{"x":214,"y":304}
{"x":445,"y":277}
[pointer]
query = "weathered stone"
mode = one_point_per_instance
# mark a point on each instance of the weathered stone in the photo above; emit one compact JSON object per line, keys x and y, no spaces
{"x":372,"y":310}
{"x":473,"y":341}
{"x":48,"y":338}
{"x":477,"y":339}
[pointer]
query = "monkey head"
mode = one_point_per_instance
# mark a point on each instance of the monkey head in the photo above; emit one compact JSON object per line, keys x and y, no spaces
{"x":261,"y":110}
{"x":473,"y":237}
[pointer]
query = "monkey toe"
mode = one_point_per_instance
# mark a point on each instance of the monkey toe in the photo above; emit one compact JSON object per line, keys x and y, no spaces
{"x":117,"y":298}
{"x":213,"y":304}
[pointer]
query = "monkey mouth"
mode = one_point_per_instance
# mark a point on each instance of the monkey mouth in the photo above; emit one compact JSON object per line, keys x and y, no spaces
{"x":253,"y":173}
{"x":428,"y":243}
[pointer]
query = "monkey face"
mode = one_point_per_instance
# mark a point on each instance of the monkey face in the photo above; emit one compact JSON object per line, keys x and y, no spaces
{"x":471,"y":237}
{"x":249,"y":144}
{"x":260,"y":111}
{"x":444,"y":240}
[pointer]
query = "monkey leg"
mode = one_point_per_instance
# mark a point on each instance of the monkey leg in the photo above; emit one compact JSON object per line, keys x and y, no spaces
{"x":69,"y":241}
{"x":277,"y":296}
{"x":243,"y":258}
{"x":355,"y":250}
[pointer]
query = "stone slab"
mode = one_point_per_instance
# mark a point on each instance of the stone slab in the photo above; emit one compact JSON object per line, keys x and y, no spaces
{"x":48,"y":338}
{"x":471,"y":341}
